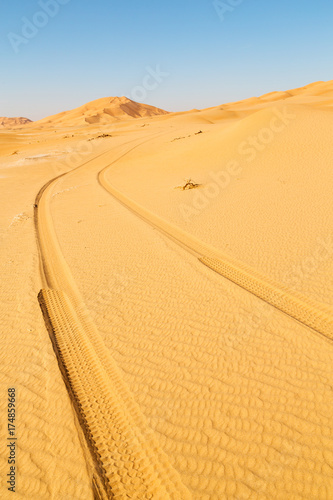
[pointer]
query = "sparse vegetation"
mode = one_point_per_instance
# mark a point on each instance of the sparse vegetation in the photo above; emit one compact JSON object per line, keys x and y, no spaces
{"x":189,"y":184}
{"x":102,"y":136}
{"x":177,"y":139}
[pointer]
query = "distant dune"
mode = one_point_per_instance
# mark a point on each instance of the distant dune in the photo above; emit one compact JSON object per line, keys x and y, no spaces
{"x":13,"y":122}
{"x":105,"y":110}
{"x":114,"y":109}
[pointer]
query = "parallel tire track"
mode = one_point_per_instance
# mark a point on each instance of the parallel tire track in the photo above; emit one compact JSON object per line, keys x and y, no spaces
{"x":309,"y":312}
{"x":128,"y":462}
{"x":305,"y":310}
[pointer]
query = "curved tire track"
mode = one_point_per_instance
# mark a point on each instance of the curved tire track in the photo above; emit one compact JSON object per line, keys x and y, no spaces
{"x":128,"y":462}
{"x":317,"y":316}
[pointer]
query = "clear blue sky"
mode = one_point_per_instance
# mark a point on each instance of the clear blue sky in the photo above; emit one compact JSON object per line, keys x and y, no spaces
{"x":98,"y":48}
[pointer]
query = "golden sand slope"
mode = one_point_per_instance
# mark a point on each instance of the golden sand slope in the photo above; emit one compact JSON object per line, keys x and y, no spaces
{"x":312,"y":314}
{"x":171,"y":380}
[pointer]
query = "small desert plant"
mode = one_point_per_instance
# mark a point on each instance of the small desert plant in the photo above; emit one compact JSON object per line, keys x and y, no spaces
{"x":102,"y":136}
{"x":189,"y":184}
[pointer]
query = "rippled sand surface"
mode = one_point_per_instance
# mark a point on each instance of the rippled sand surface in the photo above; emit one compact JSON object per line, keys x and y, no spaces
{"x":162,"y":342}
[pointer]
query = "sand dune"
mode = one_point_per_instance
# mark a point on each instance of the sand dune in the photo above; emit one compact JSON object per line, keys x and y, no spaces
{"x":170,"y":343}
{"x":320,"y":92}
{"x":102,"y":111}
{"x":13,"y":122}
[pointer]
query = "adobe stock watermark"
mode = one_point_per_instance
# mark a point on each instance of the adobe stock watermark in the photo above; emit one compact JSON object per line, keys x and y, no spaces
{"x":220,"y":180}
{"x":250,"y":148}
{"x":31,"y":27}
{"x":255,"y":144}
{"x":248,"y":326}
{"x":117,"y":284}
{"x":310,"y":265}
{"x":73,"y":159}
{"x":225,"y":7}
{"x":150,"y":82}
{"x":262,"y":314}
{"x":82,"y":150}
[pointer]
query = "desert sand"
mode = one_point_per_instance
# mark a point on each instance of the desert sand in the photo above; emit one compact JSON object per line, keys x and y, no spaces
{"x":169,"y":343}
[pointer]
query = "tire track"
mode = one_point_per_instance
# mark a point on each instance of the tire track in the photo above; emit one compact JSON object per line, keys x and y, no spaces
{"x":317,"y":316}
{"x":125,"y":455}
